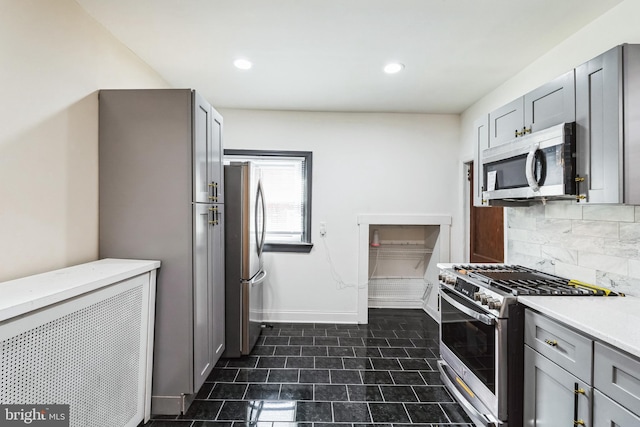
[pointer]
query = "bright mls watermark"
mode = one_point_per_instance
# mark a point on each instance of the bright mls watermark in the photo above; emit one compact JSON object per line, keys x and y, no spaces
{"x":34,"y":415}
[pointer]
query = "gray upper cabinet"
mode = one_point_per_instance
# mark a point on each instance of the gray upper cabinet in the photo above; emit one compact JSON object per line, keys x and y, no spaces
{"x":207,"y":153}
{"x":481,"y":135}
{"x":550,"y":104}
{"x":216,"y":171}
{"x":608,"y":126}
{"x":505,"y":122}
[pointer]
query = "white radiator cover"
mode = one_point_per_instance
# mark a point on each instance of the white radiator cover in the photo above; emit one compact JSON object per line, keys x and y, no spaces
{"x":92,"y":352}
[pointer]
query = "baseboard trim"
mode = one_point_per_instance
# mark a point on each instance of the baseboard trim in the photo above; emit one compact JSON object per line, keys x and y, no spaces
{"x":310,"y":317}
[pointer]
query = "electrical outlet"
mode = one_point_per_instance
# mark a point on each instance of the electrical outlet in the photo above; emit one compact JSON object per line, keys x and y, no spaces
{"x":323,"y":229}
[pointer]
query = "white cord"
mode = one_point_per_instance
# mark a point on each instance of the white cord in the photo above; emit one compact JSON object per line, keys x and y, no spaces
{"x":340,"y":284}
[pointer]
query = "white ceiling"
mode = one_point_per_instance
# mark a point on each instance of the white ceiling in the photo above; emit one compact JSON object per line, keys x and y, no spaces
{"x":327,"y":55}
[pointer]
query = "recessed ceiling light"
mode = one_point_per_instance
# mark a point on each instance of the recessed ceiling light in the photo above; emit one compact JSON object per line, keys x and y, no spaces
{"x":242,"y":64}
{"x":393,"y":68}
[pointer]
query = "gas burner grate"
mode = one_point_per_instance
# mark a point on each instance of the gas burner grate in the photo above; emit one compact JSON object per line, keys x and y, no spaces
{"x":519,"y":280}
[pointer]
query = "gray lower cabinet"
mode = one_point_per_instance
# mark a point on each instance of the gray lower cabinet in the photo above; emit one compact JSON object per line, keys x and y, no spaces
{"x":567,"y":373}
{"x":617,"y":376}
{"x":608,"y":126}
{"x":606,"y":413}
{"x":160,"y":199}
{"x":557,"y":373}
{"x":548,"y":105}
{"x":208,"y":298}
{"x":550,"y":394}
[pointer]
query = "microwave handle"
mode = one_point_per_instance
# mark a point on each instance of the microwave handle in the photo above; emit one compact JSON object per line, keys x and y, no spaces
{"x":487,"y":320}
{"x":529,"y":171}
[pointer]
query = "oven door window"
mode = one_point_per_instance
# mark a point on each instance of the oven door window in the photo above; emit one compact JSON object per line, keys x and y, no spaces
{"x":472,"y":341}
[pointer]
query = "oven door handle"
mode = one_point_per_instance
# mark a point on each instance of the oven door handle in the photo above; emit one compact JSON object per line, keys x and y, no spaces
{"x":476,"y":416}
{"x":487,"y":320}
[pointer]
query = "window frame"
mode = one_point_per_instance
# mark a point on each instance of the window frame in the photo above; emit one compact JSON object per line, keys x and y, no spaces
{"x":306,"y":245}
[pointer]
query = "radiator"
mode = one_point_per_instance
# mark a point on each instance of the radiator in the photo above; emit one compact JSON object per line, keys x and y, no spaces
{"x":92,"y":352}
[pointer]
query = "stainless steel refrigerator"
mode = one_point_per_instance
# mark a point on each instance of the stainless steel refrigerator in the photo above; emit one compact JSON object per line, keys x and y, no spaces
{"x":244,"y":272}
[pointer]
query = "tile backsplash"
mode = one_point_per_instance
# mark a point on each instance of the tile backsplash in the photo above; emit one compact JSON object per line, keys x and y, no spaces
{"x":595,"y":244}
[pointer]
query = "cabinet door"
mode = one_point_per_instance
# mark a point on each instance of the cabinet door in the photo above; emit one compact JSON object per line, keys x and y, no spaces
{"x":551,"y":104}
{"x":218,"y":285}
{"x":203,"y":331}
{"x":617,"y":375}
{"x":599,"y":128}
{"x":606,"y":412}
{"x":481,"y":135}
{"x":216,"y":170}
{"x":505,"y":122}
{"x":550,"y":394}
{"x":202,"y":191}
{"x":565,"y":347}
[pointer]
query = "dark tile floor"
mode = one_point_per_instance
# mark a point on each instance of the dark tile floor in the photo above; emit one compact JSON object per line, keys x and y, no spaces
{"x":382,"y":374}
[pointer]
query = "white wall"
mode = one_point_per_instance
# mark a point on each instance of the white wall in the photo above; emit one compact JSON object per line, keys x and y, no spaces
{"x":54,"y":59}
{"x":597,"y":244}
{"x":362,"y":164}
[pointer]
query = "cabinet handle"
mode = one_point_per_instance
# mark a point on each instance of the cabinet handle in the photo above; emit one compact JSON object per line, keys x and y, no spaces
{"x":519,"y":133}
{"x":580,"y":179}
{"x":525,"y":130}
{"x":214,"y":186}
{"x":581,"y":197}
{"x":577,"y":391}
{"x":552,"y":343}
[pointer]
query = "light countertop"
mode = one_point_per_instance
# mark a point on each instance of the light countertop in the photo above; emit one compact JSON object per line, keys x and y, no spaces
{"x":613,"y":320}
{"x":30,"y":293}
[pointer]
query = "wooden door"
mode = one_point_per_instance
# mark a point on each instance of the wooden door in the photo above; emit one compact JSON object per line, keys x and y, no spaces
{"x":486,"y":230}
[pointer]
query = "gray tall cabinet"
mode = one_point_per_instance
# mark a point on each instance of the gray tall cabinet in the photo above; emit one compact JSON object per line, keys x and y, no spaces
{"x":161,"y":197}
{"x":608,"y":126}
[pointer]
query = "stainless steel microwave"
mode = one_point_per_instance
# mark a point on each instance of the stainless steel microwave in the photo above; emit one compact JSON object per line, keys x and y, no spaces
{"x":538,"y":166}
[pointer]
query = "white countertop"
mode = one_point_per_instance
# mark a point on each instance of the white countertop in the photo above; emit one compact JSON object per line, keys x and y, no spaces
{"x":30,"y":293}
{"x":613,"y":320}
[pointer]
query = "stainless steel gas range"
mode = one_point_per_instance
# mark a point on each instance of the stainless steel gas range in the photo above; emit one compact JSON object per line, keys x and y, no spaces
{"x":481,"y":335}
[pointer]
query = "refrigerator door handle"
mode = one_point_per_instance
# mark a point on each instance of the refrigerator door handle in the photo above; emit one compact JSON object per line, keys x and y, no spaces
{"x":262,"y":207}
{"x":259,"y":278}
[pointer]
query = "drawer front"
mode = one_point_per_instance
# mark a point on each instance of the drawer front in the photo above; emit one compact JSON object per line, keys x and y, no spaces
{"x":618,"y":376}
{"x":606,"y":412}
{"x":567,"y":348}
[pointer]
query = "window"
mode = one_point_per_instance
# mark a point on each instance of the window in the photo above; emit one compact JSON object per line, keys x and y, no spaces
{"x":286,"y":180}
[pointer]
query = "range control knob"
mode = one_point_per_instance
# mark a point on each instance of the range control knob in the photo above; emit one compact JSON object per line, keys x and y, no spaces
{"x":495,"y":304}
{"x":484,"y":299}
{"x":477,"y":296}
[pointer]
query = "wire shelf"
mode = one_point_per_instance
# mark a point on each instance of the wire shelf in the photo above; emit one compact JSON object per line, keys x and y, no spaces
{"x":413,"y":252}
{"x":398,"y":288}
